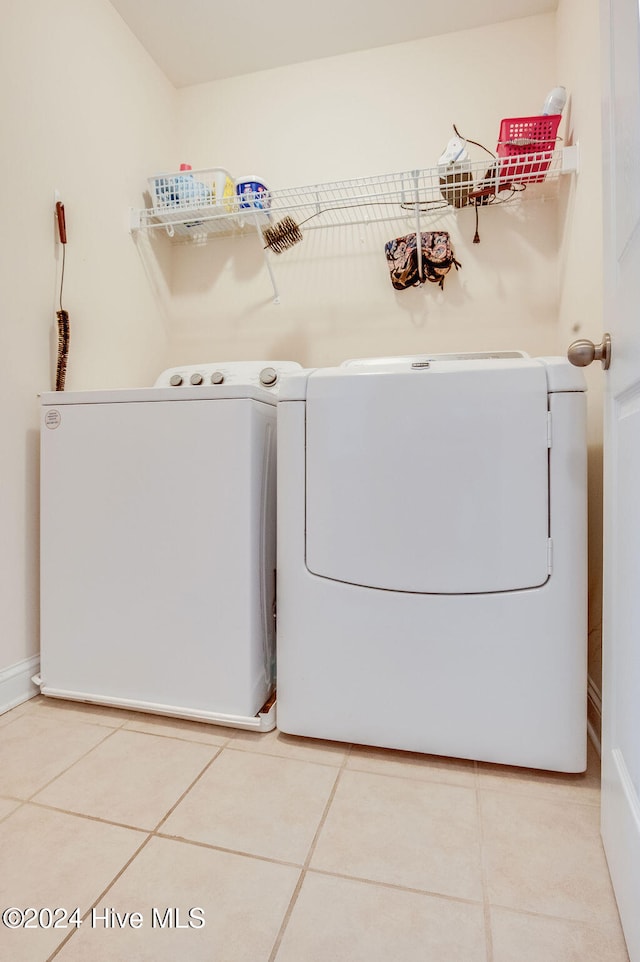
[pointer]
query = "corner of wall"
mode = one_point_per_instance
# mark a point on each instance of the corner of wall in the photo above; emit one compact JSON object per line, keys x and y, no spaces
{"x":16,"y":685}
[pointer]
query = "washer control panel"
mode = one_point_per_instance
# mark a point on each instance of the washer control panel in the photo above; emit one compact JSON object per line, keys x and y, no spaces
{"x":265,"y":374}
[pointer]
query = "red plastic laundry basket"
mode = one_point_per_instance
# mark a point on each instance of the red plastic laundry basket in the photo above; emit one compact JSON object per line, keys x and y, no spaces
{"x":530,"y":140}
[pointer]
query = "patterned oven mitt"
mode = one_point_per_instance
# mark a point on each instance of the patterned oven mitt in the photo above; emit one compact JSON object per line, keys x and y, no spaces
{"x":402,"y":258}
{"x":437,"y":256}
{"x":437,"y":259}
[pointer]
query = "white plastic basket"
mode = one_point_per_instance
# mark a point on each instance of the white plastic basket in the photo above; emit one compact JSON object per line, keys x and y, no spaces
{"x":212,"y":189}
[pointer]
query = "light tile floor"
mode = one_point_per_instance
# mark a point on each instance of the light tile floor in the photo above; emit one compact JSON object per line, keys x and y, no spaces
{"x":292,"y":850}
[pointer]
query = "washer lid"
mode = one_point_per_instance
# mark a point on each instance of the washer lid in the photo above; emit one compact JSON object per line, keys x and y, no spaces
{"x":146,"y":394}
{"x":429,"y":479}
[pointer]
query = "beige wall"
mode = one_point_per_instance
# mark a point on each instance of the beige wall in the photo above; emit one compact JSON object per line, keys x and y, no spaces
{"x":581,"y":290}
{"x":356,"y":115}
{"x":533,"y":283}
{"x":85,"y":111}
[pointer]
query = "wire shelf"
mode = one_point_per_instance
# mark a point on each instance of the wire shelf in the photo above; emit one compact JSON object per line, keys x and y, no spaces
{"x":360,"y":200}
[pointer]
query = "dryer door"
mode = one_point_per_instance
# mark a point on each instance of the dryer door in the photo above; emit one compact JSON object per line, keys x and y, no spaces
{"x":429,"y":480}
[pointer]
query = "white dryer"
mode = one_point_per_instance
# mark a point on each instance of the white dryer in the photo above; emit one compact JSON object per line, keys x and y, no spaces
{"x":158,"y":544}
{"x":432,"y":557}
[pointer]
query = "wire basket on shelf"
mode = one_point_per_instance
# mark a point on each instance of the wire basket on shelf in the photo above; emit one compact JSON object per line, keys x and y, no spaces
{"x":530,"y":141}
{"x":212,"y":188}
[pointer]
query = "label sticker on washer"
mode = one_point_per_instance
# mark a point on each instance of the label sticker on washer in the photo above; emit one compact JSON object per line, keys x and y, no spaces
{"x":52,"y":419}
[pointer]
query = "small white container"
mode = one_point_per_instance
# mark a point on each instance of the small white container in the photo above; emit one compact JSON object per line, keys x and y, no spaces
{"x":252,"y":193}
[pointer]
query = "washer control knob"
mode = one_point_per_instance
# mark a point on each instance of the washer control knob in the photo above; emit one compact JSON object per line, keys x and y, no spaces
{"x":196,"y":379}
{"x":217,"y":377}
{"x":175,"y":380}
{"x":268,"y":376}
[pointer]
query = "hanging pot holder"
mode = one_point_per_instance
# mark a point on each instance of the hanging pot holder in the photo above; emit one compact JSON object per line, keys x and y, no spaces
{"x":437,"y":256}
{"x":437,"y":259}
{"x":402,"y":258}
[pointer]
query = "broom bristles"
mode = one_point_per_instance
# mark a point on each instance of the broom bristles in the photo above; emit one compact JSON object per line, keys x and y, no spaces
{"x":63,"y":349}
{"x":282,"y":236}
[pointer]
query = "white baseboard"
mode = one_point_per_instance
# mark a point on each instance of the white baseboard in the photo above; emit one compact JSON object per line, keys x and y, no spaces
{"x":16,"y":685}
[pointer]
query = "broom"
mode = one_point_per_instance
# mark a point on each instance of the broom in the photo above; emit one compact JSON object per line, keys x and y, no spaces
{"x":62,"y":315}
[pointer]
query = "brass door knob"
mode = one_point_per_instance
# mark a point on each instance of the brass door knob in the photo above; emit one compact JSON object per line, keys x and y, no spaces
{"x":583,"y":352}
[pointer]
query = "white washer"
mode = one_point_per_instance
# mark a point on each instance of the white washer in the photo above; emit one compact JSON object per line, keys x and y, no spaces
{"x":432,"y":557}
{"x":158,"y":544}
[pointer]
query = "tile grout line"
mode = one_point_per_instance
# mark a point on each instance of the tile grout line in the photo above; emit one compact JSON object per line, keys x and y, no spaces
{"x":100,"y":722}
{"x":274,"y":754}
{"x":486,"y":905}
{"x":210,"y":847}
{"x":71,"y":715}
{"x":111,"y":730}
{"x":529,"y":913}
{"x":87,"y":818}
{"x":32,"y":800}
{"x":64,"y":771}
{"x":395,"y":887}
{"x":176,"y":738}
{"x":21,"y":803}
{"x":122,"y":726}
{"x":183,"y":840}
{"x":102,"y":894}
{"x":107,"y":821}
{"x":303,"y":872}
{"x":155,"y":833}
{"x":149,"y":836}
{"x":541,"y":796}
{"x":206,"y":768}
{"x":23,"y":708}
{"x":12,"y":721}
{"x":416,"y":778}
{"x":479,"y":786}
